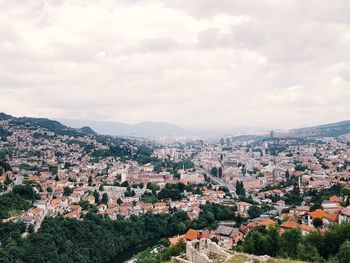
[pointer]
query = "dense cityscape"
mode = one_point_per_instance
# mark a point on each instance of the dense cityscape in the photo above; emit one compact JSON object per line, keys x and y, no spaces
{"x":228,"y":195}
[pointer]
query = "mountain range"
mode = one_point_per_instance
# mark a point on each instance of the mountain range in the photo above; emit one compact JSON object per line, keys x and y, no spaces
{"x":157,"y":129}
{"x":335,"y":129}
{"x":164,"y":129}
{"x":146,"y":129}
{"x":51,"y":125}
{"x":326,"y":130}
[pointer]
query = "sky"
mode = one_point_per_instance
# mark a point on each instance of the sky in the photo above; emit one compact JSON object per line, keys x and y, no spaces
{"x":200,"y":64}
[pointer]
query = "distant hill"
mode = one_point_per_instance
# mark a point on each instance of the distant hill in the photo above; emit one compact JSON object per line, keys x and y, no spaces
{"x":51,"y":125}
{"x":4,"y":116}
{"x":119,"y":128}
{"x":326,"y":130}
{"x":87,"y":130}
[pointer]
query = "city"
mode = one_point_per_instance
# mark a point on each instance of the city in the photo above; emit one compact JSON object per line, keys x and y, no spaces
{"x":225,"y":190}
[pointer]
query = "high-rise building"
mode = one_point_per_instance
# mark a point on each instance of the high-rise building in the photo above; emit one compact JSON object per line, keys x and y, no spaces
{"x":222,"y":141}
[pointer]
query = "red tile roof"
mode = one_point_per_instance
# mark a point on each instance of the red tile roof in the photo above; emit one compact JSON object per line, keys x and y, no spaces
{"x":191,"y":234}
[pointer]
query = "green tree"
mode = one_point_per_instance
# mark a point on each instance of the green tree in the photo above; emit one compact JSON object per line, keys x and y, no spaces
{"x":307,"y":252}
{"x":317,"y":222}
{"x":254,"y":211}
{"x":125,"y":184}
{"x":343,"y":255}
{"x":214,"y":171}
{"x":31,"y":229}
{"x":220,"y":172}
{"x":289,"y":242}
{"x":67,"y":191}
{"x":287,"y":175}
{"x":105,"y":198}
{"x":262,"y":241}
{"x":240,"y":188}
{"x":90,"y":181}
{"x":7,"y":181}
{"x":96,"y":194}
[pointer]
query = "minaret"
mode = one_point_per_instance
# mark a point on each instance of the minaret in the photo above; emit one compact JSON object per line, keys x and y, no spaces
{"x":299,"y":183}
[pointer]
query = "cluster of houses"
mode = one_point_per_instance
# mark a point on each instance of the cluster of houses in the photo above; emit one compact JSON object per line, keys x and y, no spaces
{"x":63,"y":197}
{"x":64,"y":173}
{"x":190,"y":204}
{"x":300,"y":218}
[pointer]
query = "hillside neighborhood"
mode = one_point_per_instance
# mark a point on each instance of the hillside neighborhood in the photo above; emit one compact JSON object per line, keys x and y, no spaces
{"x":288,"y":183}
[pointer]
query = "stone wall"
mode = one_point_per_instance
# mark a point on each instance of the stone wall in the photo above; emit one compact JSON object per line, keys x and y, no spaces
{"x":179,"y":260}
{"x":214,"y":248}
{"x":197,"y":251}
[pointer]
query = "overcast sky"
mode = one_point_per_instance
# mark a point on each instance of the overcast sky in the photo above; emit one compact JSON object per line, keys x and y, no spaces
{"x":196,"y":63}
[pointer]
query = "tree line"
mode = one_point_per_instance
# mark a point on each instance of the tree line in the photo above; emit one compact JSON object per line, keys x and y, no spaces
{"x":332,"y":246}
{"x":21,"y":198}
{"x":99,"y":239}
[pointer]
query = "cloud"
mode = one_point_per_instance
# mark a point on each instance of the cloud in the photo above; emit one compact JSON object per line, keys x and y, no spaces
{"x":200,"y":63}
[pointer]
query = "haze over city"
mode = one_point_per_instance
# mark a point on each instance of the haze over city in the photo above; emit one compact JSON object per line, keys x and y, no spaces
{"x":199,"y":64}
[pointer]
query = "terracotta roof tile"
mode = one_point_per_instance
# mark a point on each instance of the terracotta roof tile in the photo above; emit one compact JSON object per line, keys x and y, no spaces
{"x":191,"y":234}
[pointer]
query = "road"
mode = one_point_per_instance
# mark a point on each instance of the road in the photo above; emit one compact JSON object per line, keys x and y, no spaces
{"x":46,"y":210}
{"x":218,"y":181}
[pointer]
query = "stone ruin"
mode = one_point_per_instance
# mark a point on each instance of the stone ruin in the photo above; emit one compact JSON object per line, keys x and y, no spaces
{"x":198,"y":251}
{"x":207,"y":251}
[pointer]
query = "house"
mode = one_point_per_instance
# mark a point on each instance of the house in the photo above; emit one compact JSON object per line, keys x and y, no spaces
{"x":228,"y":236}
{"x":243,"y":208}
{"x":263,"y":222}
{"x":335,"y":199}
{"x":299,"y":210}
{"x":344,"y":215}
{"x":147,"y":207}
{"x":28,"y":219}
{"x":290,"y":224}
{"x":101,"y":207}
{"x":159,"y":207}
{"x":327,"y":219}
{"x":204,"y":234}
{"x":305,"y":229}
{"x":111,"y":213}
{"x":73,"y":214}
{"x":330,"y":207}
{"x":175,"y":240}
{"x":36,"y":212}
{"x":281,"y":203}
{"x":191,"y":234}
{"x":137,"y":209}
{"x":44,"y":195}
{"x":125,"y":211}
{"x":58,"y":206}
{"x":194,"y":213}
